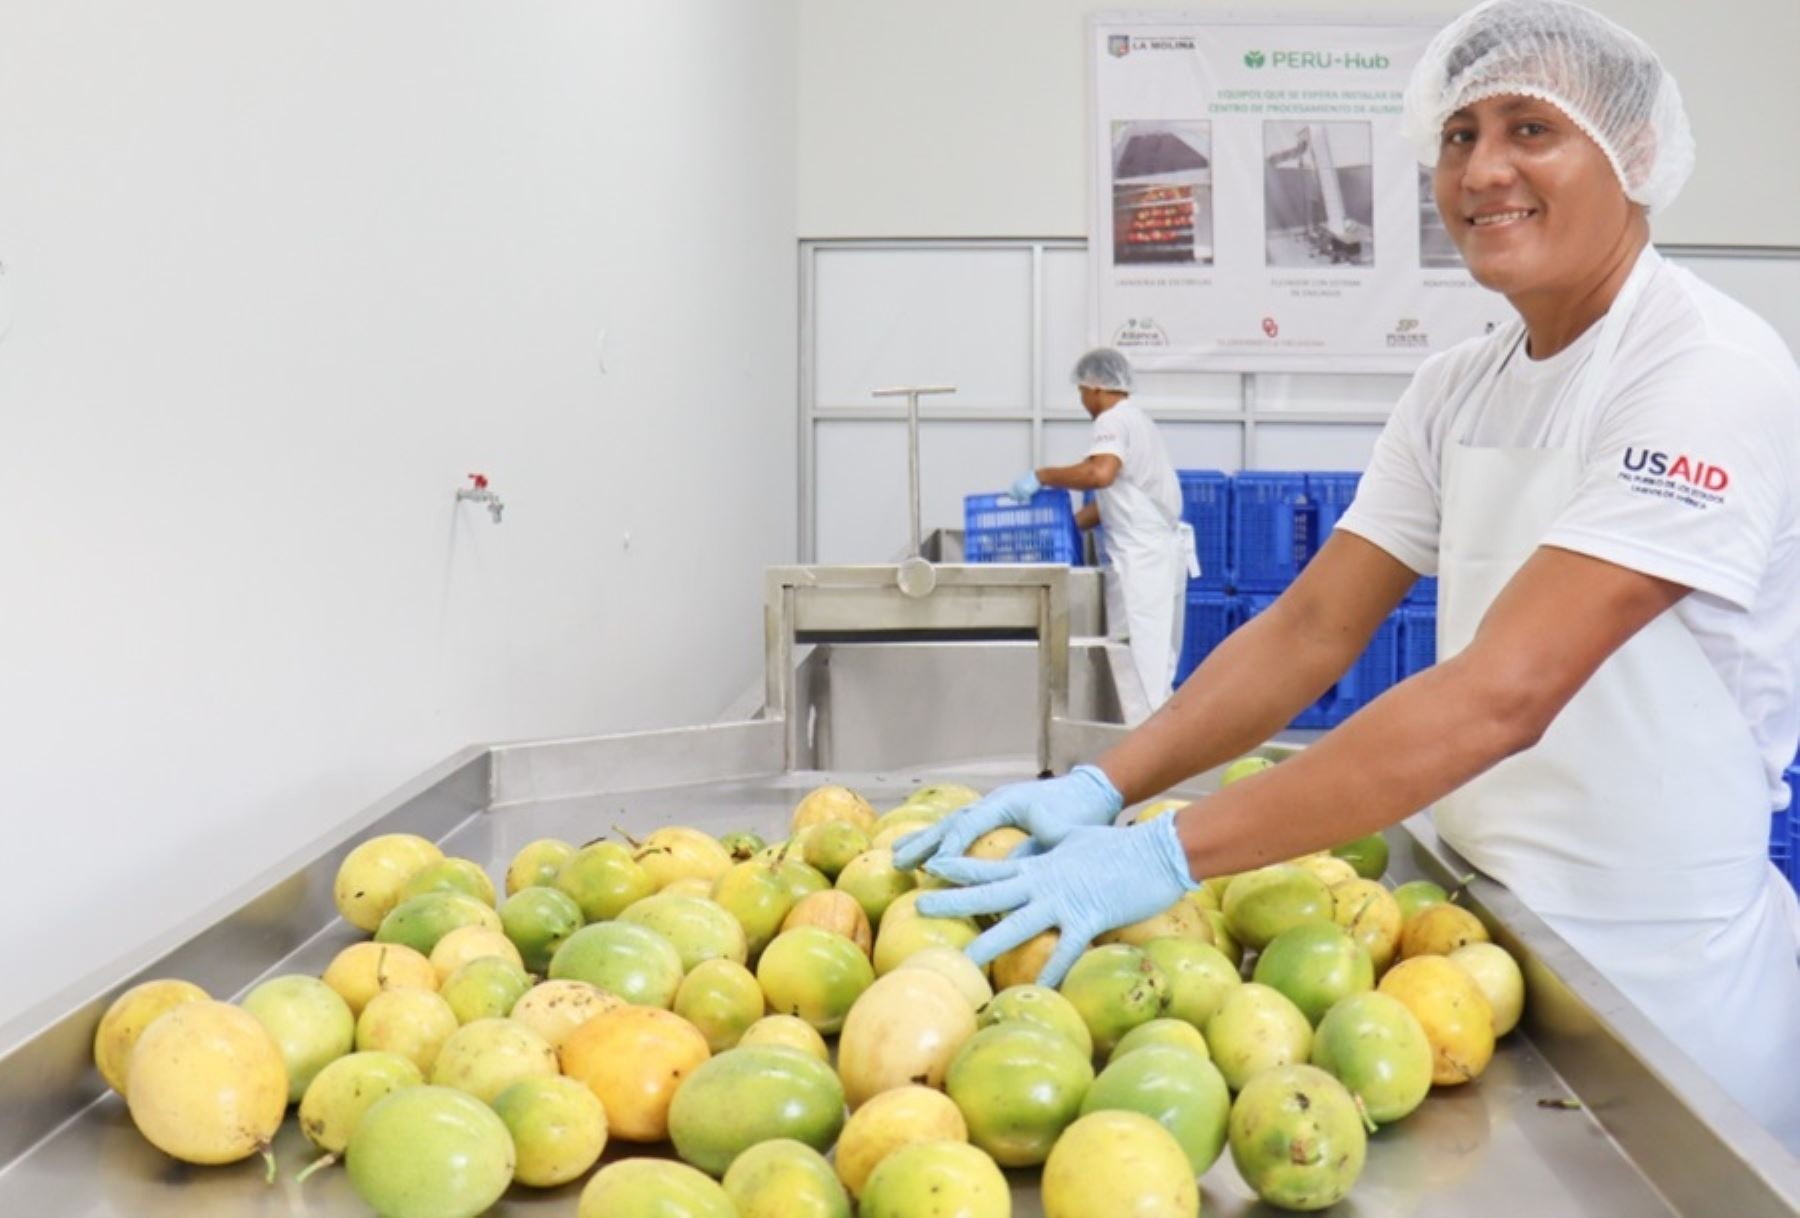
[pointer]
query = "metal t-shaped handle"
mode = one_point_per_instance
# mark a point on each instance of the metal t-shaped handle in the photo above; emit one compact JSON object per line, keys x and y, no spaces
{"x":912,"y":393}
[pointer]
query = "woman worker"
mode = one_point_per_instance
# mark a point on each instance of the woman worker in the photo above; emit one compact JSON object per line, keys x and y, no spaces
{"x":1138,"y":499}
{"x":1606,"y":491}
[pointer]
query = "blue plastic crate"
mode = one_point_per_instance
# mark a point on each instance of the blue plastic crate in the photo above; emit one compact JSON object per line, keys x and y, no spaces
{"x":1373,"y":674}
{"x":998,"y":529}
{"x":1328,"y":494}
{"x":1211,"y":616}
{"x":1793,"y":859}
{"x":1418,"y":639}
{"x":1315,"y":716}
{"x":1098,"y":533}
{"x":1269,"y":530}
{"x":1206,"y":506}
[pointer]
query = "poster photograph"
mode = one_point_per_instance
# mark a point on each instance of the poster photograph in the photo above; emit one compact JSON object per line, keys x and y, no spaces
{"x":1162,"y":194}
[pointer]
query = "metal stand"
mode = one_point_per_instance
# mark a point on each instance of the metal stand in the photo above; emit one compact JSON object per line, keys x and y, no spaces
{"x":842,"y":603}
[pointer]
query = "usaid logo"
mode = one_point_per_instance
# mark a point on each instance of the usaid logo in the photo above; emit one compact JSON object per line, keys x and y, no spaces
{"x":1680,"y":468}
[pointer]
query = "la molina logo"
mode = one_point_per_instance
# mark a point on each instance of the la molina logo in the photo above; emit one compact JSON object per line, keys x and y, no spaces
{"x":1680,"y":468}
{"x":1254,"y":59}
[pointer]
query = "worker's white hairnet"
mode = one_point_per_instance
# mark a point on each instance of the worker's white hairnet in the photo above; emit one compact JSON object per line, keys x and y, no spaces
{"x":1103,"y":368}
{"x":1603,"y":77}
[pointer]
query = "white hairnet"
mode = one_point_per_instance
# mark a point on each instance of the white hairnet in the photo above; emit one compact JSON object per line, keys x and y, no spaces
{"x":1605,"y":78}
{"x":1104,"y":368}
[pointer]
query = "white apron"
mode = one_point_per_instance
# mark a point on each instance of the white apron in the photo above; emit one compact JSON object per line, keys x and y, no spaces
{"x":1637,"y":828}
{"x":1149,"y":596}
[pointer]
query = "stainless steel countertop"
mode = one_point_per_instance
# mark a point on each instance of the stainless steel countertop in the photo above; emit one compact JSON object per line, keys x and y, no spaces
{"x":1477,"y":1150}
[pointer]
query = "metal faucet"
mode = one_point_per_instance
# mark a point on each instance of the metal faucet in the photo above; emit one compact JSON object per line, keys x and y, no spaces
{"x":479,"y":493}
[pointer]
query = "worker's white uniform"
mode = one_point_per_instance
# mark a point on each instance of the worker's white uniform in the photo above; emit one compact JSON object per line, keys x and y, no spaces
{"x":1150,"y":547}
{"x":1665,"y":439}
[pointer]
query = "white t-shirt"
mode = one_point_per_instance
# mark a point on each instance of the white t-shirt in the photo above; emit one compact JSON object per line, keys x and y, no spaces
{"x":1691,"y":474}
{"x":1144,"y":502}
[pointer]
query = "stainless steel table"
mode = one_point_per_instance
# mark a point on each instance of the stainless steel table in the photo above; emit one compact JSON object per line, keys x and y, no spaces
{"x":1479,"y":1150}
{"x":885,"y":689}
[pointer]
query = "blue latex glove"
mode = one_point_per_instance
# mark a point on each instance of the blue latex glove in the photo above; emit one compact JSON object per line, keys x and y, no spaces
{"x":1095,"y":881}
{"x":1025,"y":486}
{"x":1047,"y":810}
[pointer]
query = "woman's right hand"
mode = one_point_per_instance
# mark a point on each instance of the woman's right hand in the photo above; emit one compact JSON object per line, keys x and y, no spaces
{"x":1048,"y":810}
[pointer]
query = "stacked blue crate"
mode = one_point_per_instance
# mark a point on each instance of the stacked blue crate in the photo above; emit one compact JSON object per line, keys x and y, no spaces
{"x":997,"y":528}
{"x":1791,"y":866}
{"x":1098,"y":532}
{"x":1269,"y":530}
{"x":1318,"y":715}
{"x":1206,"y":507}
{"x":1781,"y":837}
{"x":1418,"y":638}
{"x":1373,"y":674}
{"x":1254,"y":532}
{"x":1211,"y":615}
{"x":1328,"y":494}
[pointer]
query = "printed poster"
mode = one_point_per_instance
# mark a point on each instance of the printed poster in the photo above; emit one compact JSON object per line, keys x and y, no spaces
{"x":1254,"y":206}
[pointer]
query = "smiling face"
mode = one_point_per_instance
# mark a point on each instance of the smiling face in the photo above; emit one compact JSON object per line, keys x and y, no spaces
{"x":1529,"y":199}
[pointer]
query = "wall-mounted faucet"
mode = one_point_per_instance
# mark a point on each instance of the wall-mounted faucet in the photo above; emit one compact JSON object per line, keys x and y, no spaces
{"x":479,"y":493}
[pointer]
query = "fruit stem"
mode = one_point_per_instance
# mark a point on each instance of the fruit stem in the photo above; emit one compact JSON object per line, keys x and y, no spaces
{"x":1362,"y":1110}
{"x":629,"y":840}
{"x":315,"y":1165}
{"x":269,"y":1160}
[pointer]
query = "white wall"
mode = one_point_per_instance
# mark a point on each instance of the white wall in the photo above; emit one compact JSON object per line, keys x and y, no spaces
{"x":944,"y":118}
{"x":281,"y":274}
